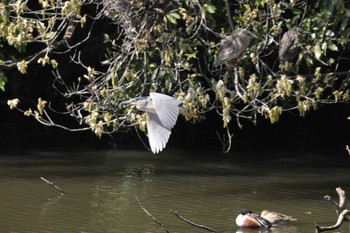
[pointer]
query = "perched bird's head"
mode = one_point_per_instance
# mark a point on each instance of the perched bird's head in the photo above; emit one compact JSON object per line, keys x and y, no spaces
{"x":289,"y":45}
{"x":232,"y":47}
{"x":244,"y":33}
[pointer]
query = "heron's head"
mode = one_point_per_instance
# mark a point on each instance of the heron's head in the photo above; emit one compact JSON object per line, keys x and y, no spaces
{"x":138,"y":101}
{"x":244,"y":33}
{"x":299,"y":30}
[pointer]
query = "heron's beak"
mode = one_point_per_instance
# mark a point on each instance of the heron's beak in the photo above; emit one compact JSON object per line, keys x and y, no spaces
{"x":256,"y":37}
{"x":126,"y":102}
{"x":253,"y":35}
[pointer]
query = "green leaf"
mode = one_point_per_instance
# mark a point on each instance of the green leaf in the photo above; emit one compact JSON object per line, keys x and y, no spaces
{"x":175,"y":15}
{"x":309,"y":61}
{"x":191,"y":55}
{"x":3,"y":81}
{"x":210,"y":8}
{"x":171,"y":18}
{"x":317,"y":51}
{"x":333,"y":47}
{"x":324,"y":48}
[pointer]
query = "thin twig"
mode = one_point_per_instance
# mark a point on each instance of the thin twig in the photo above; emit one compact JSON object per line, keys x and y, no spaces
{"x":150,"y":215}
{"x":191,"y":223}
{"x":342,"y":200}
{"x":143,"y":142}
{"x":347,"y":149}
{"x":229,"y":16}
{"x":328,"y":198}
{"x":229,"y":135}
{"x":226,"y":145}
{"x":52,"y":185}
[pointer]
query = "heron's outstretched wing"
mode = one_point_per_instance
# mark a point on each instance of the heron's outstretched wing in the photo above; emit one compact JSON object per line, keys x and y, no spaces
{"x":158,"y":134}
{"x":167,"y":109}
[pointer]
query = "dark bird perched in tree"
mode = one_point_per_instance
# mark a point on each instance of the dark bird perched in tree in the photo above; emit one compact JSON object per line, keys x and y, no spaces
{"x":289,"y":45}
{"x":233,"y":46}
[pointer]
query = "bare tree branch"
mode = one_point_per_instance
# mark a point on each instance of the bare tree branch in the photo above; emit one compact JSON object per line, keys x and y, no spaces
{"x":339,"y":222}
{"x":52,"y":185}
{"x":342,"y":200}
{"x":342,"y":213}
{"x":191,"y":223}
{"x":150,"y":215}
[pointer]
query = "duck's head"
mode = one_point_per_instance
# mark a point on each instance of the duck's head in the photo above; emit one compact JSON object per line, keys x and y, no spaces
{"x":246,"y":211}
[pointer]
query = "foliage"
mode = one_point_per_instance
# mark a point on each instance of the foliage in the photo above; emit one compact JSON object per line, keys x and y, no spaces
{"x":170,"y":47}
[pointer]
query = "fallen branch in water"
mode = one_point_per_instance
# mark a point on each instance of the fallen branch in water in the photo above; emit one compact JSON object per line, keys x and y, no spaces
{"x":150,"y":215}
{"x":52,"y":185}
{"x":190,"y":222}
{"x":339,"y":207}
{"x":340,"y":220}
{"x":340,"y":210}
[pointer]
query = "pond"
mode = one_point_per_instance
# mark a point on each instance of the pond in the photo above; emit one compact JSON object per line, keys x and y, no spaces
{"x":106,"y":190}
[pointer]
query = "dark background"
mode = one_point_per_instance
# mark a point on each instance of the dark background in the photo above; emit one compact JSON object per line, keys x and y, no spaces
{"x":325,"y":130}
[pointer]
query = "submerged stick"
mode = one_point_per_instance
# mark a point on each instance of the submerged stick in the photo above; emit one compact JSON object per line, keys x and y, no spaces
{"x":52,"y":185}
{"x":340,"y":220}
{"x":339,"y":207}
{"x":190,"y":222}
{"x":340,"y":210}
{"x":150,"y":215}
{"x":328,"y":198}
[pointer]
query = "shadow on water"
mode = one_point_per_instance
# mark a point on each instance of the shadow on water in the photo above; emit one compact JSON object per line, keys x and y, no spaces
{"x":206,"y":187}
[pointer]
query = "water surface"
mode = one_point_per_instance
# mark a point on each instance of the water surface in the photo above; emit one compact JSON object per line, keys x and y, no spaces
{"x":208,"y":188}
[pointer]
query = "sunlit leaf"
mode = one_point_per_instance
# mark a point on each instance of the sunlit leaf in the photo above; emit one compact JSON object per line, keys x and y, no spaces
{"x":171,"y":18}
{"x":337,"y":95}
{"x":3,"y":81}
{"x":309,"y":61}
{"x":210,"y":8}
{"x":324,"y":48}
{"x":22,"y":66}
{"x":13,"y":103}
{"x":333,"y":47}
{"x":28,"y":112}
{"x":175,"y":15}
{"x":41,"y":105}
{"x":275,"y":114}
{"x":317,"y":51}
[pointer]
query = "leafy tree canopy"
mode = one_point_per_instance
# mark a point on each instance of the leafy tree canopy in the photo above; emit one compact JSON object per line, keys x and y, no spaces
{"x":99,"y":53}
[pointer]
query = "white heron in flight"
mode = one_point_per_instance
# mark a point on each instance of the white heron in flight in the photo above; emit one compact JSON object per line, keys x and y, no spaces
{"x":162,"y":113}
